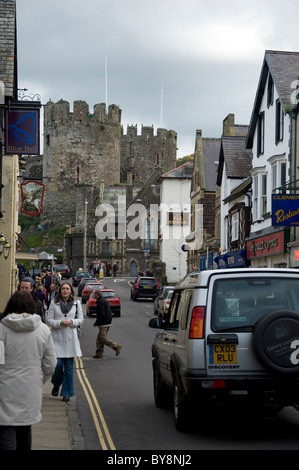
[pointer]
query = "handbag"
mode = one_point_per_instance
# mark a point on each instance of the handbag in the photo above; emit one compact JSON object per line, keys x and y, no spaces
{"x":78,"y":328}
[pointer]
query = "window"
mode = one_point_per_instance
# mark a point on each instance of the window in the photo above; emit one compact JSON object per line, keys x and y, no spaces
{"x":264,"y":194}
{"x":255,"y":197}
{"x":279,"y":175}
{"x":279,"y":120}
{"x":270,"y":91}
{"x":235,"y":226}
{"x":260,"y":133}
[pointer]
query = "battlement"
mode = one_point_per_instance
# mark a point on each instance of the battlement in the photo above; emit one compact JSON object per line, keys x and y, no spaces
{"x":148,"y":131}
{"x":60,"y":112}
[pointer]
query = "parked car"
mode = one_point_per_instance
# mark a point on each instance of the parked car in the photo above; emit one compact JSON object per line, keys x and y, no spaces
{"x":83,"y":282}
{"x":165,"y":302}
{"x":89,"y":288}
{"x":144,"y":287}
{"x":159,"y":298}
{"x":111,"y":297}
{"x":63,"y":269}
{"x":230,"y":334}
{"x":76,"y":278}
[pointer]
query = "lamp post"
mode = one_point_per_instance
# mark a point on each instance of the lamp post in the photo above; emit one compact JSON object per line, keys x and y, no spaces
{"x":4,"y":246}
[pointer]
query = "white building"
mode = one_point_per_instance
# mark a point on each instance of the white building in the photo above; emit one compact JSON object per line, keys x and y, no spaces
{"x":175,"y":220}
{"x":270,"y":138}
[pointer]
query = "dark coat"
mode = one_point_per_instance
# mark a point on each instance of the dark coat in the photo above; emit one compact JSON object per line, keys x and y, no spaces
{"x":104,"y":316}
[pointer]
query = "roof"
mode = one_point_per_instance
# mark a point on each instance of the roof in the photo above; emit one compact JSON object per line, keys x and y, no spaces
{"x":284,"y":68}
{"x":210,"y":149}
{"x":236,"y":157}
{"x":184,"y":171}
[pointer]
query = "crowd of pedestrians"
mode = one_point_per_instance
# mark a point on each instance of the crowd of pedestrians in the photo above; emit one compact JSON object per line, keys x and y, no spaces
{"x":39,"y":340}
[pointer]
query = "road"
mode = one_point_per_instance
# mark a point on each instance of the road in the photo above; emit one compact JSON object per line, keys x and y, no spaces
{"x":116,"y":406}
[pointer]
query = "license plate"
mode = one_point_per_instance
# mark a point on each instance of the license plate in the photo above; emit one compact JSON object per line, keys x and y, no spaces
{"x":146,"y":287}
{"x":223,"y":354}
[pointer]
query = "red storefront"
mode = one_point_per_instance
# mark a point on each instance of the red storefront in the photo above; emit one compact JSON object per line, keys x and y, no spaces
{"x":269,"y":250}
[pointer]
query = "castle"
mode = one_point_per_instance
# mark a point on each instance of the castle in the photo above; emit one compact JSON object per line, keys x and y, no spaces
{"x":83,"y":151}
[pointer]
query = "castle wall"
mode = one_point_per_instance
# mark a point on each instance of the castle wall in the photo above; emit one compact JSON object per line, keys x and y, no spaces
{"x":79,"y":149}
{"x":140,"y":154}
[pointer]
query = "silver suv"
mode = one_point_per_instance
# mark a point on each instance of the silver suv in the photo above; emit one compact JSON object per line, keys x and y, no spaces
{"x":231,"y":333}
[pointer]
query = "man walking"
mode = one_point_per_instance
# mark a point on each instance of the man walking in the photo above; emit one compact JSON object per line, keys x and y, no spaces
{"x":103,"y":321}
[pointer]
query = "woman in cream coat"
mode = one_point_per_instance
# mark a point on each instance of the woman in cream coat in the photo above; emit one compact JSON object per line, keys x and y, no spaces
{"x":64,"y":315}
{"x":27,"y":360}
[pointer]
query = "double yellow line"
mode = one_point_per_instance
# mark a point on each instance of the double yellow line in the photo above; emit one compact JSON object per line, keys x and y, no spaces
{"x":98,"y":418}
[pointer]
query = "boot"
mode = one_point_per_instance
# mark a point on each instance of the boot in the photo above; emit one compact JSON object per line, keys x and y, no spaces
{"x":117,"y":350}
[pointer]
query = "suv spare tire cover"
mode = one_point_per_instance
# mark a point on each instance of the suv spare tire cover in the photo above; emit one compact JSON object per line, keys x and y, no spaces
{"x":273,"y":337}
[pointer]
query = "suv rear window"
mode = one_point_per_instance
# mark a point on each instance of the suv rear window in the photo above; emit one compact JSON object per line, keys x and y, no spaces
{"x":239,"y":304}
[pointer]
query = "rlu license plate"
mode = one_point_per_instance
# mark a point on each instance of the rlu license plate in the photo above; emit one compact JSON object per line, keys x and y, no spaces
{"x":223,"y":354}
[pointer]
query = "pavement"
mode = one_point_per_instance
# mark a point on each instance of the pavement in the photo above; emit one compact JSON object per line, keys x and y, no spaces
{"x":60,"y":427}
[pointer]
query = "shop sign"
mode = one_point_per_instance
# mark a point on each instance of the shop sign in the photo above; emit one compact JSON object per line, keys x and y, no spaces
{"x":285,"y":209}
{"x":266,"y":246}
{"x":32,"y":194}
{"x":22,"y":131}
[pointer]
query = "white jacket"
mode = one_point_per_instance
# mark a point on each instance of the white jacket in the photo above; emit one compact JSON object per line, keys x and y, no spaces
{"x":28,"y":360}
{"x":65,"y":339}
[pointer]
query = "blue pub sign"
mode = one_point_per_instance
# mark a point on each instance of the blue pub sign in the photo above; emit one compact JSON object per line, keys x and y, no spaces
{"x":285,"y":209}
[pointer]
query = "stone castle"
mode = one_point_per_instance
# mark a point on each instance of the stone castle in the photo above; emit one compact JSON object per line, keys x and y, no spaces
{"x":83,"y":152}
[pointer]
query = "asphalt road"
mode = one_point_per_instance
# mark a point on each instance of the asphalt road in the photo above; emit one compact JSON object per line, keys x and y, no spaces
{"x":116,"y":406}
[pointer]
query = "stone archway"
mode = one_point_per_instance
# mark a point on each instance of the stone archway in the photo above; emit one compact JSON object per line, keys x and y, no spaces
{"x":133,"y":269}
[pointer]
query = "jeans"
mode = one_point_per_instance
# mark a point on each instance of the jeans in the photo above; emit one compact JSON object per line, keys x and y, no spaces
{"x":15,"y":438}
{"x":64,"y":374}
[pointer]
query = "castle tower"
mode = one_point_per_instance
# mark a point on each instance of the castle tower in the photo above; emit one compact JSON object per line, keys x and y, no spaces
{"x":140,"y":154}
{"x":80,"y":149}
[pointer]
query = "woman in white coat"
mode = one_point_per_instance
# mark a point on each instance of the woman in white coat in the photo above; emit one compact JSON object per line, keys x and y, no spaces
{"x":27,"y":360}
{"x":64,"y":316}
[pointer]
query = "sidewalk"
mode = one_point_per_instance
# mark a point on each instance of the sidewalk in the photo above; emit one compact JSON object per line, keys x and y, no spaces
{"x":59,"y":428}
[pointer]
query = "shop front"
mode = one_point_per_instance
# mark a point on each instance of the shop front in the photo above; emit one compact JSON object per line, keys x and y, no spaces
{"x":269,"y":250}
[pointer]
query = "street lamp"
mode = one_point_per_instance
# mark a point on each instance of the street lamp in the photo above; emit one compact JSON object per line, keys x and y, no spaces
{"x":2,"y":243}
{"x":4,"y":246}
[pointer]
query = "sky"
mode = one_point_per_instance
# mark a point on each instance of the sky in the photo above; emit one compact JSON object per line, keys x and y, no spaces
{"x":182,"y":65}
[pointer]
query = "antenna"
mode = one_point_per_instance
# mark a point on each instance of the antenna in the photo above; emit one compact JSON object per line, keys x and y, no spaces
{"x":161,"y":110}
{"x":106,"y":82}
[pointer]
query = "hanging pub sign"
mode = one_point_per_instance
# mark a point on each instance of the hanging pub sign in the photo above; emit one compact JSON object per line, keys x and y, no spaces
{"x":22,"y":129}
{"x":285,"y":209}
{"x":32,"y":194}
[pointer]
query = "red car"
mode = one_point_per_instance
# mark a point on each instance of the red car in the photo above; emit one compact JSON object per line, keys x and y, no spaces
{"x":111,"y":297}
{"x":89,"y":288}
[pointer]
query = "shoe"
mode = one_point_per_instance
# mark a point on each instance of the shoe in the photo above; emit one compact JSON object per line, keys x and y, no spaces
{"x":96,"y":356}
{"x":117,"y":349}
{"x":55,"y":391}
{"x":66,"y":399}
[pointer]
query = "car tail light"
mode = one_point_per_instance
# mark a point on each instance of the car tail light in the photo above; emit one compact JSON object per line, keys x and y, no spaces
{"x":196,"y":327}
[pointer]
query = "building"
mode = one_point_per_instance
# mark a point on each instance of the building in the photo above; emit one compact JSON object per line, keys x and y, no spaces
{"x":272,"y":139}
{"x":233,"y":201}
{"x":175,"y":218}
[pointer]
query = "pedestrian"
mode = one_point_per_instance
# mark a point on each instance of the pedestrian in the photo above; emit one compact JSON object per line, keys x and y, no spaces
{"x":27,"y":285}
{"x":52,"y":294}
{"x":41,"y":294}
{"x":115,"y":269}
{"x":103,"y":321}
{"x":27,"y":361}
{"x":64,"y":315}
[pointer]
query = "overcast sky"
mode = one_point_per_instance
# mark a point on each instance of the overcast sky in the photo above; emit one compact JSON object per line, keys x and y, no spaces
{"x":182,"y":64}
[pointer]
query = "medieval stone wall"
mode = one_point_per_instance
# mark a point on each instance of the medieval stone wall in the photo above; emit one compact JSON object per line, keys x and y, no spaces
{"x":140,"y":154}
{"x":82,"y":150}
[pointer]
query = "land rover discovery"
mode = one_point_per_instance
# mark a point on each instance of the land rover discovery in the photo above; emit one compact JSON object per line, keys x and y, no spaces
{"x":231,"y":333}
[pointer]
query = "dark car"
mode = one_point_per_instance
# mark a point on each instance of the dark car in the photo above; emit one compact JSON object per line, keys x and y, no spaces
{"x":63,"y":269}
{"x":78,"y":276}
{"x":83,"y":282}
{"x":144,"y":287}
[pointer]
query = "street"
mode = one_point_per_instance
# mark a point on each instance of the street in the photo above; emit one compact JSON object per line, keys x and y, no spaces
{"x":115,"y":398}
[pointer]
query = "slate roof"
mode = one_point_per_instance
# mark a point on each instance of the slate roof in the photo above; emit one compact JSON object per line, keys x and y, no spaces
{"x":284,"y":68}
{"x":237,"y":158}
{"x":183,"y":171}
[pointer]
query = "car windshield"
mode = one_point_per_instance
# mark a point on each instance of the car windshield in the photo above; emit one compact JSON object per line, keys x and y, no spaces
{"x":93,"y":286}
{"x":240,"y":303}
